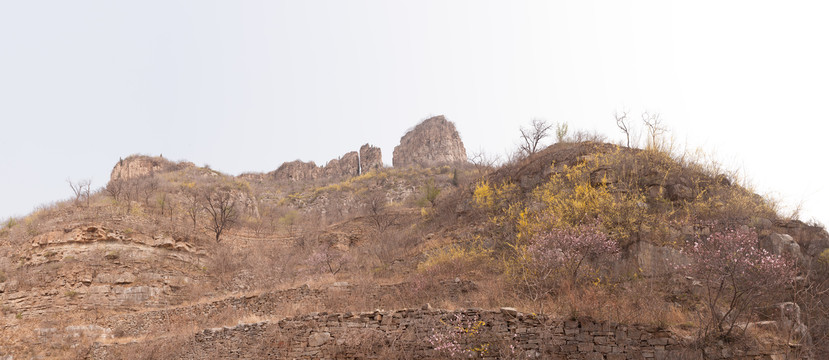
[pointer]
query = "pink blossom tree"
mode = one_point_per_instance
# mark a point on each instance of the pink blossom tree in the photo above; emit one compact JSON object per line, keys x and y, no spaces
{"x":736,"y":273}
{"x":563,"y":254}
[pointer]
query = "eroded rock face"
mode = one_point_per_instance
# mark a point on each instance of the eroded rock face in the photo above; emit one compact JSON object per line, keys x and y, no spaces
{"x":297,"y":171}
{"x":435,"y":141}
{"x":138,"y":166}
{"x":370,"y":158}
{"x":351,"y":164}
{"x":347,"y":165}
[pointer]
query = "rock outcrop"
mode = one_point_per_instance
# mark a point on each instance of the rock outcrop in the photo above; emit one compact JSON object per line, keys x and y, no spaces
{"x":139,"y":165}
{"x":351,"y":164}
{"x":435,"y":141}
{"x":370,"y":158}
{"x":347,"y":165}
{"x":297,"y":170}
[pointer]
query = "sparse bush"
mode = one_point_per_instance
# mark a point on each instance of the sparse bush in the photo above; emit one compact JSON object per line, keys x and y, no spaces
{"x":327,"y":259}
{"x":430,"y":194}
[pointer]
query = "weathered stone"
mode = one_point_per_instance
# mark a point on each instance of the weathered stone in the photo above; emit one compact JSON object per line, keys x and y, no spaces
{"x":318,"y":339}
{"x":297,"y":171}
{"x":435,"y":141}
{"x":602,"y":177}
{"x":137,"y":166}
{"x":347,"y":165}
{"x":677,"y":192}
{"x":782,"y":244}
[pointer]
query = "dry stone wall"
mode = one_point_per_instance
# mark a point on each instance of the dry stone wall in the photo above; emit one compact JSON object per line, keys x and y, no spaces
{"x":428,"y":333}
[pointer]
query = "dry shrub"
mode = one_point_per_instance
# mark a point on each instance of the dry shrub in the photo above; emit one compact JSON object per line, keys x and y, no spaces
{"x":639,"y":302}
{"x":456,"y":260}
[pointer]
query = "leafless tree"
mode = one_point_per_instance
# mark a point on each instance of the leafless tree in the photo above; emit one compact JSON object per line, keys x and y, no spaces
{"x":220,"y":205}
{"x":532,"y":136}
{"x":148,"y":186}
{"x":192,"y":205}
{"x":377,"y":209}
{"x":114,"y":188}
{"x":653,"y":123}
{"x":81,"y":190}
{"x":483,"y":162}
{"x":623,"y":123}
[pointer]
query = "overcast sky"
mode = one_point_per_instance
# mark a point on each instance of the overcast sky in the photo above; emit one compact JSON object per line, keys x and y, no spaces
{"x":246,"y":85}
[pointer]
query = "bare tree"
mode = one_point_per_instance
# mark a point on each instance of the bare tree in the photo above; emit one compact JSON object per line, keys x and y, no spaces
{"x":192,"y":205}
{"x":114,"y":188}
{"x":653,"y":123}
{"x":148,"y":187}
{"x":483,"y":163}
{"x":81,"y":189}
{"x":623,"y":123}
{"x":533,"y":135}
{"x":378,"y":211}
{"x":220,"y":205}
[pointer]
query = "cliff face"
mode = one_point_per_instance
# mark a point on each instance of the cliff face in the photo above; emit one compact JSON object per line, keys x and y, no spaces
{"x":435,"y":141}
{"x":138,"y":166}
{"x":351,"y":164}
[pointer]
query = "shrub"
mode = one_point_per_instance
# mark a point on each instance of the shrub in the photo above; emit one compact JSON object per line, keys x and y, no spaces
{"x":456,"y":260}
{"x":736,"y":275}
{"x":326,"y":259}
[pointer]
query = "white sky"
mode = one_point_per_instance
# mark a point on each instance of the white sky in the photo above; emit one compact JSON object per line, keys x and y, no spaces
{"x":247,"y":85}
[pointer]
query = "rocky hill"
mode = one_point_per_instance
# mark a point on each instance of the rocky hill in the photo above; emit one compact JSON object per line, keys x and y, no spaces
{"x":582,"y":250}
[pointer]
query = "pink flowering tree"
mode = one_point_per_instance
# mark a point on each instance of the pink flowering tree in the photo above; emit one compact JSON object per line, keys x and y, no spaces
{"x":736,"y":273}
{"x":562,"y":256}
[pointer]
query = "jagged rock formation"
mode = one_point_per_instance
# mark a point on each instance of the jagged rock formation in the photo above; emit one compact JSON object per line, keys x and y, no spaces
{"x":296,"y":170}
{"x":370,"y":158}
{"x":351,"y":164}
{"x":435,"y":141}
{"x":137,"y":166}
{"x":347,"y":165}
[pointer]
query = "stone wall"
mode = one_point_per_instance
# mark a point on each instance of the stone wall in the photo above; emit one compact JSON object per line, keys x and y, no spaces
{"x":421,"y":333}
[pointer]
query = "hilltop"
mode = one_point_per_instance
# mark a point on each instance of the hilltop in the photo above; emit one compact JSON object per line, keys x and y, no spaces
{"x":582,"y":249}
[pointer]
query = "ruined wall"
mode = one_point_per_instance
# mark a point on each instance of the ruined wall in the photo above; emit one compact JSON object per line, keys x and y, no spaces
{"x":417,"y":333}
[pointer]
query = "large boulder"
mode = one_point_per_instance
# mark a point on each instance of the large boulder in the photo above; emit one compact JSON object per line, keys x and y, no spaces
{"x":435,"y":141}
{"x":782,"y":244}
